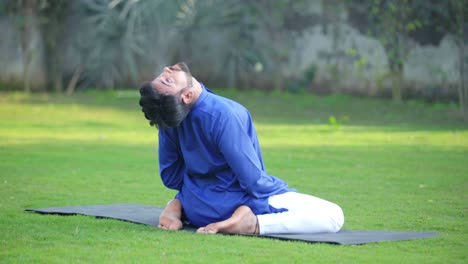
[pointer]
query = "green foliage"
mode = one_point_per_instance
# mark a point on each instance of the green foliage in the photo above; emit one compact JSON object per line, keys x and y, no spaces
{"x":310,"y":73}
{"x":392,"y":22}
{"x":122,"y":34}
{"x":395,"y":22}
{"x":46,"y":17}
{"x":334,"y":123}
{"x":234,"y":53}
{"x":126,"y":32}
{"x":131,"y":36}
{"x":303,"y":84}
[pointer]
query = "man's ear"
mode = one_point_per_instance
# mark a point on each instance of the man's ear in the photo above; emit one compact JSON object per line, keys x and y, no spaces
{"x":187,"y":96}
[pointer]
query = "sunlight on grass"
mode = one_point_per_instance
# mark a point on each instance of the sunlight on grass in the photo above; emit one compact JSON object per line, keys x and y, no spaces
{"x":52,"y":122}
{"x":37,"y":124}
{"x":324,"y":135}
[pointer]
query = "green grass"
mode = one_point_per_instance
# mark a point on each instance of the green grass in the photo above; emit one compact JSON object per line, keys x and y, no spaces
{"x":391,"y":167}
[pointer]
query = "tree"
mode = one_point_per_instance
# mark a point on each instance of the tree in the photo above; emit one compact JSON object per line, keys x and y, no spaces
{"x":455,"y":22}
{"x":53,"y":15}
{"x":225,"y":28}
{"x":41,"y":26}
{"x":449,"y":17}
{"x":391,"y":22}
{"x":331,"y":11}
{"x":277,"y":23}
{"x":24,"y":14}
{"x":119,"y":39}
{"x":460,"y":28}
{"x":27,"y":9}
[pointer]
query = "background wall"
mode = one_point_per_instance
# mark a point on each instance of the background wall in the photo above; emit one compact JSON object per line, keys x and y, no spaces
{"x":318,"y":46}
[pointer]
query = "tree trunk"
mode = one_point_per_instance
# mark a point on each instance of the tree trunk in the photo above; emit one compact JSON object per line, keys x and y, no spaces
{"x":58,"y":84}
{"x":461,"y":82}
{"x":53,"y":30}
{"x":54,"y":73}
{"x":397,"y":70}
{"x":462,"y":89}
{"x":74,"y":80}
{"x":397,"y":83}
{"x":27,"y":69}
{"x":27,"y":10}
{"x":334,"y":17}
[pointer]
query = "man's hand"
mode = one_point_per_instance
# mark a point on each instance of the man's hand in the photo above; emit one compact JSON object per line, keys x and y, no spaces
{"x":171,"y":215}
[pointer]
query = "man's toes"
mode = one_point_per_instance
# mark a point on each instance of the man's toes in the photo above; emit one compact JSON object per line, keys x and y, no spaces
{"x":175,"y":225}
{"x":170,"y":227}
{"x":162,"y":227}
{"x":209,"y":229}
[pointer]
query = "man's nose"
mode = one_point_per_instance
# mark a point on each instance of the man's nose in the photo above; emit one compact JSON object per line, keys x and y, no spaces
{"x":167,"y":69}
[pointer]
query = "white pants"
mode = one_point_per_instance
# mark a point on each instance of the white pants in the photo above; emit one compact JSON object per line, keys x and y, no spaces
{"x":306,"y":214}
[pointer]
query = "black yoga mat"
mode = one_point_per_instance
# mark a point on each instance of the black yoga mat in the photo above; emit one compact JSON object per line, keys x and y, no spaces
{"x":149,"y":215}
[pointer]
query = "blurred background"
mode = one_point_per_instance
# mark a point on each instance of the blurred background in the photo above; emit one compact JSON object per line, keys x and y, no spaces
{"x":397,"y":49}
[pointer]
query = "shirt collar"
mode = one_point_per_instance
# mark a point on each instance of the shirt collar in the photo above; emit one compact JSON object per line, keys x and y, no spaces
{"x":203,"y":95}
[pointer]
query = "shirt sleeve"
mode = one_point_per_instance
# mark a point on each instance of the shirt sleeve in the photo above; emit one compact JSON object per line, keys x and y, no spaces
{"x":238,"y":149}
{"x":171,"y":163}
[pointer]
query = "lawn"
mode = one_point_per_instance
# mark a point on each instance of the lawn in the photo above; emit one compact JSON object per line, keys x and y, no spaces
{"x":401,"y":167}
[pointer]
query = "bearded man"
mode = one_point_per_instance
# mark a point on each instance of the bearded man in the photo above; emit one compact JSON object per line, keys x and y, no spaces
{"x":210,"y":154}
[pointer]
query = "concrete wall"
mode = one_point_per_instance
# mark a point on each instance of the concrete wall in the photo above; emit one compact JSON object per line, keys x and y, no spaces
{"x":362,"y":61}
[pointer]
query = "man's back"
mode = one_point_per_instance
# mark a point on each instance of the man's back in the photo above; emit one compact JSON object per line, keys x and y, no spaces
{"x":221,"y":159}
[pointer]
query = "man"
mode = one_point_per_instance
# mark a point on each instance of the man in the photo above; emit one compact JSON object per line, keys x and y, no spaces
{"x":209,"y":152}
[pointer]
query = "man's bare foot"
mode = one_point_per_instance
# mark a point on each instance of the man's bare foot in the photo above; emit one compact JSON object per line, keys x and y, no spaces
{"x":170,"y":216}
{"x":242,"y":221}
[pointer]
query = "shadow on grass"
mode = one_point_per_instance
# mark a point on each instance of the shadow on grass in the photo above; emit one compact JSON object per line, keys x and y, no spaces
{"x":287,"y":109}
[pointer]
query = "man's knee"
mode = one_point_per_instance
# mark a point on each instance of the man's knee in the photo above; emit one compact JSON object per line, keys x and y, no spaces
{"x":337,"y":218}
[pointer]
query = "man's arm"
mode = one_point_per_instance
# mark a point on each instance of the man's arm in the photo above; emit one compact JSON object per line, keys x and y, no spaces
{"x":238,"y":149}
{"x":171,"y":163}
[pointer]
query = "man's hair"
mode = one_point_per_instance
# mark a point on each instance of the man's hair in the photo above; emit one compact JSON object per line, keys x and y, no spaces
{"x":164,"y":111}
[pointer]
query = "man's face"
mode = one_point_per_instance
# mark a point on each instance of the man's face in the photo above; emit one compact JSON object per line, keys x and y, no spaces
{"x":172,"y":80}
{"x":167,"y":100}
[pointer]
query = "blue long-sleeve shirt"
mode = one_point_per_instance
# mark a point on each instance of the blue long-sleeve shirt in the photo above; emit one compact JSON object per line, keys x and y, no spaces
{"x":213,"y":159}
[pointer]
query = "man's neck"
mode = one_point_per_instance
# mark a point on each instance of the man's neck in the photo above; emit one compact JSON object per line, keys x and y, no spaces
{"x":197,"y":88}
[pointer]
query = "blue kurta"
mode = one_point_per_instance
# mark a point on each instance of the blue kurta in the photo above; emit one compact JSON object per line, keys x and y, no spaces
{"x":213,"y":159}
